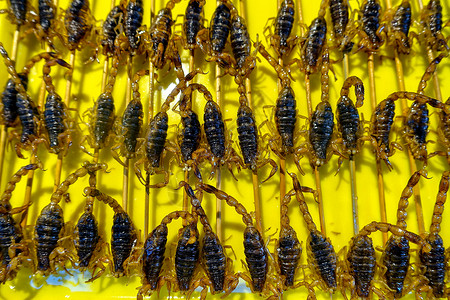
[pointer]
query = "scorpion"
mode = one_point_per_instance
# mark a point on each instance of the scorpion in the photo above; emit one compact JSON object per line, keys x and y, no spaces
{"x":371,"y":33}
{"x":444,"y":133}
{"x":112,"y":28}
{"x":256,"y":253}
{"x":77,"y":22}
{"x":361,"y":256}
{"x":313,"y":47}
{"x":56,"y":117}
{"x":416,"y":123}
{"x":131,"y":123}
{"x":123,"y":234}
{"x":349,"y":126}
{"x":431,"y":20}
{"x":217,"y":265}
{"x":322,"y":257}
{"x":156,"y":135}
{"x":289,"y":248}
{"x":344,"y":28}
{"x":434,"y":263}
{"x":398,"y":25}
{"x":280,"y":39}
{"x":134,"y":13}
{"x":160,"y":36}
{"x":248,"y":134}
{"x":285,"y":111}
{"x":192,"y":23}
{"x":383,"y":117}
{"x":102,"y":115}
{"x":212,"y":41}
{"x":22,"y":105}
{"x":17,"y":12}
{"x":396,"y":255}
{"x":154,"y":249}
{"x":13,"y":249}
{"x":50,"y":223}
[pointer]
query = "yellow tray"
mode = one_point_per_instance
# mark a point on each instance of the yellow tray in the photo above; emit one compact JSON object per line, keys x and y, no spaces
{"x":336,"y":189}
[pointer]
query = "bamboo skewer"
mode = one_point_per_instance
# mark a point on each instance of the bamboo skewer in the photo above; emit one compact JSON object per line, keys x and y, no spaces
{"x":282,"y":159}
{"x":126,"y":169}
{"x":186,"y":173}
{"x":151,"y":98}
{"x":373,"y":101}
{"x":412,"y":163}
{"x":352,"y":166}
{"x":4,"y":133}
{"x":255,"y":182}
{"x":310,"y":112}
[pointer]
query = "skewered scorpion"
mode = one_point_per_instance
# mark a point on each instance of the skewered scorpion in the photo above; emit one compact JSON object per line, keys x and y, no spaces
{"x":13,"y":249}
{"x":256,"y":253}
{"x":50,"y":223}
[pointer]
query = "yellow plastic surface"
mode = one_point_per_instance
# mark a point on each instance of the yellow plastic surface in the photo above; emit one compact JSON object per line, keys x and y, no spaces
{"x":86,"y":88}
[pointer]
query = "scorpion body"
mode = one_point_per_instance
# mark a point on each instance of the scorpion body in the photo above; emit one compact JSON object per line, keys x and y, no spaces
{"x":186,"y":255}
{"x":77,"y":22}
{"x":240,"y":41}
{"x":283,"y":25}
{"x":46,"y":14}
{"x":111,"y":28}
{"x":87,"y":238}
{"x":133,"y":21}
{"x":160,"y":33}
{"x":340,"y":19}
{"x":192,"y":23}
{"x":9,"y":100}
{"x":321,"y":130}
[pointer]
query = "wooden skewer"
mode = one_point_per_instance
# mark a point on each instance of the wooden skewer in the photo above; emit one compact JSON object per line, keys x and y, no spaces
{"x":352,"y":166}
{"x":151,"y":98}
{"x":126,"y":168}
{"x":255,"y":182}
{"x":310,"y":112}
{"x":219,"y":171}
{"x":412,"y":162}
{"x":186,"y":173}
{"x":282,"y":159}
{"x":373,"y":101}
{"x":4,"y":133}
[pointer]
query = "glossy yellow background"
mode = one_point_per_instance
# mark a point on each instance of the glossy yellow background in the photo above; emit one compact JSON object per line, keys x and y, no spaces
{"x":336,"y":189}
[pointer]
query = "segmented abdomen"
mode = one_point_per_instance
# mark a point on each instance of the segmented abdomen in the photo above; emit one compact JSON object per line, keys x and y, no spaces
{"x":214,"y":259}
{"x":288,"y":251}
{"x":284,"y":22}
{"x":46,"y":14}
{"x":240,"y":40}
{"x":214,"y":129}
{"x":103,"y":119}
{"x":160,"y":35}
{"x":434,"y":12}
{"x":190,"y":135}
{"x":417,"y":126}
{"x":9,"y":100}
{"x":348,"y":122}
{"x":133,"y":20}
{"x":186,"y":256}
{"x":46,"y":233}
{"x":247,"y":134}
{"x":435,"y":264}
{"x":321,"y":129}
{"x":382,"y":120}
{"x":88,"y":238}
{"x":339,"y":16}
{"x":26,"y":116}
{"x":220,"y":28}
{"x":315,"y":41}
{"x":153,"y":257}
{"x":256,"y":257}
{"x":76,"y":22}
{"x":192,"y":23}
{"x":19,"y":10}
{"x":110,"y":28}
{"x":396,"y":260}
{"x":123,"y":238}
{"x":132,"y":122}
{"x":286,"y":116}
{"x":371,"y":19}
{"x":9,"y":233}
{"x":54,"y":119}
{"x":402,"y":18}
{"x":362,"y":264}
{"x":156,"y":138}
{"x":322,"y":257}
